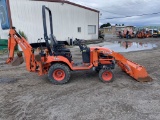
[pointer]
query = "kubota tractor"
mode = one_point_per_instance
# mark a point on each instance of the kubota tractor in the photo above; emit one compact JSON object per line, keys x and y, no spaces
{"x":56,"y":60}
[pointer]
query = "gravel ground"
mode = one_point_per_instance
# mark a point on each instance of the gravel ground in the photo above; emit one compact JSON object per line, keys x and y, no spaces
{"x":27,"y":96}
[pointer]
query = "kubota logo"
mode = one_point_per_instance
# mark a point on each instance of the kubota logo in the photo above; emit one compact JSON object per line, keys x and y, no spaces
{"x":55,"y":58}
{"x":15,"y":36}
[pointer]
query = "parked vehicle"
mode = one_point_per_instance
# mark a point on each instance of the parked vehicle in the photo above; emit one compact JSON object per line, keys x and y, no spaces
{"x":155,"y":33}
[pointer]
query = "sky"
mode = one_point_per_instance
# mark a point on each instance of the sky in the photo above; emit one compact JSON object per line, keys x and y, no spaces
{"x":122,"y":8}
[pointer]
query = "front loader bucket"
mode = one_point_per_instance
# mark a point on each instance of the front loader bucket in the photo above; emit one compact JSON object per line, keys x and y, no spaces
{"x":137,"y":71}
{"x":17,"y":61}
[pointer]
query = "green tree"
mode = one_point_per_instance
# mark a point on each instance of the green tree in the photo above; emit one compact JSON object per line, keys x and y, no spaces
{"x":122,"y":24}
{"x":105,"y":25}
{"x":22,"y":34}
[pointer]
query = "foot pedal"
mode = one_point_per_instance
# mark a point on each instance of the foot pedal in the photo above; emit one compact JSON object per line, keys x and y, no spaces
{"x":78,"y":63}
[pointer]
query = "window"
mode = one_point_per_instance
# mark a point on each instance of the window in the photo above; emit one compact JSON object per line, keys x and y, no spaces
{"x":91,"y":29}
{"x":79,"y":29}
{"x":109,"y":29}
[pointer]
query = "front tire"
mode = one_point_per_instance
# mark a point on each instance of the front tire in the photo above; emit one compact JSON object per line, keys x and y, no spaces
{"x":59,"y":74}
{"x":106,"y":75}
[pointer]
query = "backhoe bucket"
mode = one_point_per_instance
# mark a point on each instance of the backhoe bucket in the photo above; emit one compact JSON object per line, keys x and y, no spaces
{"x":137,"y":71}
{"x":17,"y":61}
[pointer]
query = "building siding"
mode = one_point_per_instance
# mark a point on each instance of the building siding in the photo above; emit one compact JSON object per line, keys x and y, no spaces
{"x":27,"y":17}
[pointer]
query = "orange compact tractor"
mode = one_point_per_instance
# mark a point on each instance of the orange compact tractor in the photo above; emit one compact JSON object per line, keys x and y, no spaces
{"x":143,"y":34}
{"x":56,"y":60}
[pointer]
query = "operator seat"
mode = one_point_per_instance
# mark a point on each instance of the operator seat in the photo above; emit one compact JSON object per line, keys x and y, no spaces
{"x":56,"y":46}
{"x":59,"y":49}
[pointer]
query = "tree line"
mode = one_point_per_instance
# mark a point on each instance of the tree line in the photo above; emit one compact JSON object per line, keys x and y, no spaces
{"x":108,"y":24}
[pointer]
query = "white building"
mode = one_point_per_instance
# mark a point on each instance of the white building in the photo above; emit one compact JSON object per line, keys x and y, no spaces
{"x":70,"y":20}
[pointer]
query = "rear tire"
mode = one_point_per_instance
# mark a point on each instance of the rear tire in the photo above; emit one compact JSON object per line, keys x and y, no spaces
{"x":106,"y":75}
{"x":59,"y":74}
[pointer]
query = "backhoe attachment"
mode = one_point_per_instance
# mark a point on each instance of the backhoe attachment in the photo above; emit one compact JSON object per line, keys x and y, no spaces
{"x":135,"y":70}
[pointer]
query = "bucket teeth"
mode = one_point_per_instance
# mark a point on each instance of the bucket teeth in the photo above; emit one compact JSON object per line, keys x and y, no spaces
{"x":146,"y":79}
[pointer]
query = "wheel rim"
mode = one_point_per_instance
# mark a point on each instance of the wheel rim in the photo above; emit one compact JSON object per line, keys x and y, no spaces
{"x":59,"y":74}
{"x":107,"y":76}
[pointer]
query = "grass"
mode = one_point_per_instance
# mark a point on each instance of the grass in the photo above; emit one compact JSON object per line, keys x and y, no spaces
{"x":1,"y":52}
{"x":4,"y":51}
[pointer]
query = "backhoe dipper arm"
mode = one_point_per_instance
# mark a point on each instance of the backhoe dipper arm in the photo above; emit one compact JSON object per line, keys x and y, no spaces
{"x":14,"y":39}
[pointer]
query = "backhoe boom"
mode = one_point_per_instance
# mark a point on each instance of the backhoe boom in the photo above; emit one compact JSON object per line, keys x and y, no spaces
{"x":14,"y":39}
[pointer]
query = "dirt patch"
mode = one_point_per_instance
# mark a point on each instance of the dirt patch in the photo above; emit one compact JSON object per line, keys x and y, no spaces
{"x":7,"y":80}
{"x":25,"y":95}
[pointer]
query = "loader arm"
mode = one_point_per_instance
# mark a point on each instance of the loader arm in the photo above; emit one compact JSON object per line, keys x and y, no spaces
{"x":14,"y":39}
{"x":135,"y":70}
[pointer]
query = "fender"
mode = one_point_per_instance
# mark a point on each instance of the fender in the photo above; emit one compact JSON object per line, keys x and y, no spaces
{"x":51,"y":59}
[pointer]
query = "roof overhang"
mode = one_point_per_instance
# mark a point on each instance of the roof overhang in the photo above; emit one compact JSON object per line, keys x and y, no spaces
{"x":68,"y":2}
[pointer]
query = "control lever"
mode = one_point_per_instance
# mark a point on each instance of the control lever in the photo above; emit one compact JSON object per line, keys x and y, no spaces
{"x":40,"y":44}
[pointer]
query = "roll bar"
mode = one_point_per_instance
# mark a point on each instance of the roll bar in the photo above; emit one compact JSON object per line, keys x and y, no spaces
{"x":46,"y":38}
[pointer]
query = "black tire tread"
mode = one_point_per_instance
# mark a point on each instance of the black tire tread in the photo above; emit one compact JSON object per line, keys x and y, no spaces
{"x":61,"y":66}
{"x":100,"y":76}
